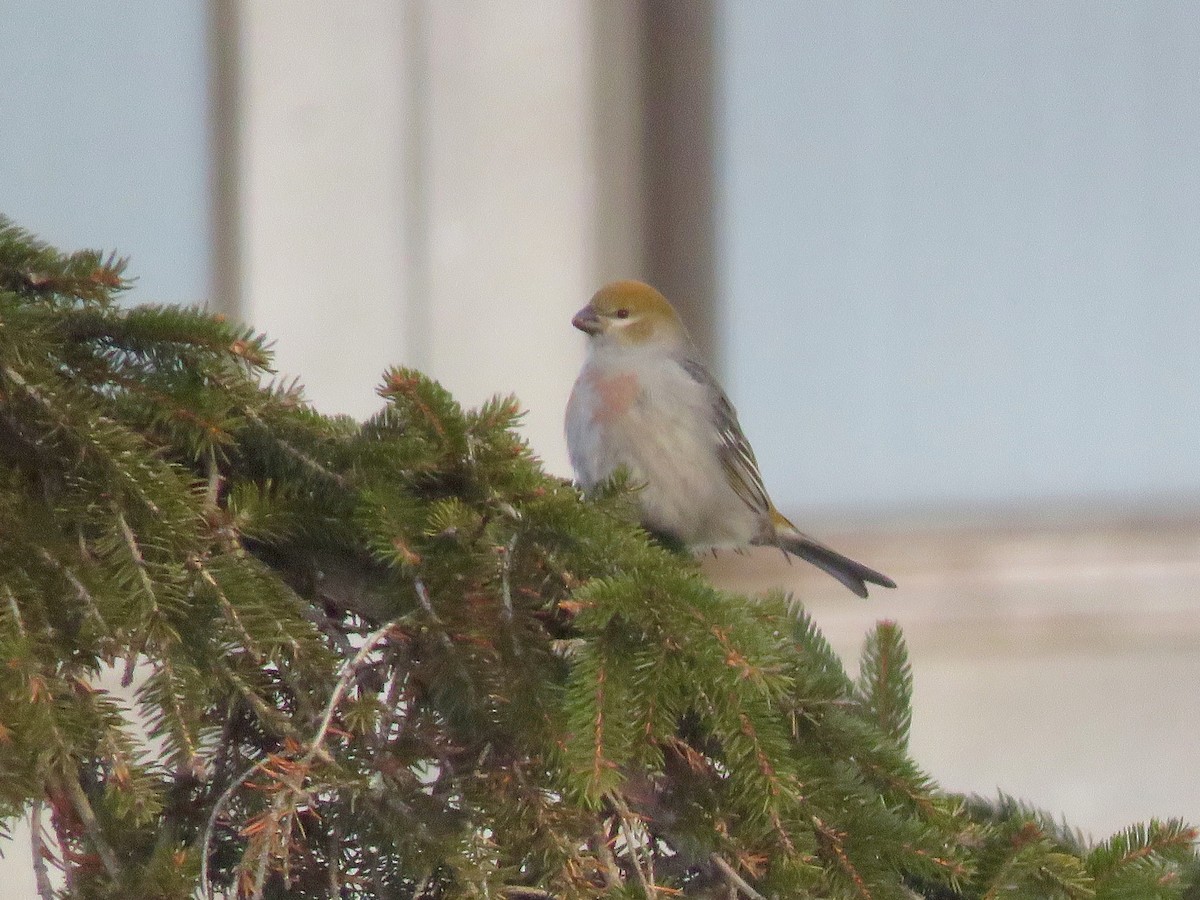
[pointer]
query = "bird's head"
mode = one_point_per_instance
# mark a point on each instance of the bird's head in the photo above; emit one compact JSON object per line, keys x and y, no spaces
{"x":630,"y":314}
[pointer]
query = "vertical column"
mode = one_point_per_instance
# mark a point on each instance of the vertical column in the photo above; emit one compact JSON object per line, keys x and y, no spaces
{"x":680,"y":127}
{"x":437,"y":183}
{"x":322,"y":201}
{"x":530,"y":167}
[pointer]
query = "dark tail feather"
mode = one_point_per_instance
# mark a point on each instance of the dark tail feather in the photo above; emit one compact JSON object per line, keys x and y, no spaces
{"x":853,"y":575}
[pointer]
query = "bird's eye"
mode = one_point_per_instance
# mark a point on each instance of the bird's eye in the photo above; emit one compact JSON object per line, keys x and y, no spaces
{"x":622,"y":314}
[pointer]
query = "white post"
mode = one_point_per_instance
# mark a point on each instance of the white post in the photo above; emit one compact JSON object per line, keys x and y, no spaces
{"x":437,"y":183}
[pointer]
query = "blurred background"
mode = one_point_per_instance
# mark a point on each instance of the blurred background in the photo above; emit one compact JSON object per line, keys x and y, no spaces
{"x":945,"y":257}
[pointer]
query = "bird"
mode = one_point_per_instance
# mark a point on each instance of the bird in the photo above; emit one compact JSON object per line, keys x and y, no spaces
{"x":644,"y":403}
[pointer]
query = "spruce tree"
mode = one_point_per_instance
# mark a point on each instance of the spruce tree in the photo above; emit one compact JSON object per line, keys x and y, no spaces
{"x":395,"y":659}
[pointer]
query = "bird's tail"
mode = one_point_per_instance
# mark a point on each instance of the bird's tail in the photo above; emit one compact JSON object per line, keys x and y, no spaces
{"x":852,"y":574}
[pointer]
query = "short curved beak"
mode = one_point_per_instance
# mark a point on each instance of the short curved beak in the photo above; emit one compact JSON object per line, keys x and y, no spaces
{"x":587,"y":321}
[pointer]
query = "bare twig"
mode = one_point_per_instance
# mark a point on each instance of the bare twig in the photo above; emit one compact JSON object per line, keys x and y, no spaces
{"x":735,"y":881}
{"x":645,"y":876}
{"x":506,"y":556}
{"x":612,"y":872}
{"x":62,"y":832}
{"x":334,"y":852}
{"x":374,"y":639}
{"x":260,"y":870}
{"x":213,"y":491}
{"x":388,"y":716}
{"x":135,"y":553}
{"x":37,"y":845}
{"x":15,"y":609}
{"x":87,"y":816}
{"x":427,"y":605}
{"x":328,"y":628}
{"x":316,"y":747}
{"x":210,"y":828}
{"x":505,"y":585}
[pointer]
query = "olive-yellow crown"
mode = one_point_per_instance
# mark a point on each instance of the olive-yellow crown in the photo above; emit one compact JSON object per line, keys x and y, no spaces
{"x":631,"y":314}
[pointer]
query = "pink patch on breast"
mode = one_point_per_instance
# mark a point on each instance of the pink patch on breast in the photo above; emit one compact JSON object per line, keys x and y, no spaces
{"x":614,"y":395}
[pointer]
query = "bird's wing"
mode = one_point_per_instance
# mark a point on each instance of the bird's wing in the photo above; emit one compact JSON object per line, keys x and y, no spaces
{"x":735,"y":452}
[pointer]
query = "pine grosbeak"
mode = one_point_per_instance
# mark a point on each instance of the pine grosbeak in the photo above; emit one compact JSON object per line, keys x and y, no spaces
{"x":643,"y":402}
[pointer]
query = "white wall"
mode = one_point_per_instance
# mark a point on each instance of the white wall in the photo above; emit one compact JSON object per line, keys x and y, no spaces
{"x":419,"y":186}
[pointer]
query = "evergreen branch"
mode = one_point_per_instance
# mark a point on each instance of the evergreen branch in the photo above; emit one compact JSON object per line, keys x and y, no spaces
{"x":638,"y":720}
{"x":90,"y":439}
{"x":177,"y":719}
{"x":407,"y":384}
{"x":1030,"y":858}
{"x":1141,"y":842}
{"x":599,"y":763}
{"x":153,"y":331}
{"x":1010,"y":815}
{"x":834,"y":842}
{"x":953,"y":868}
{"x":139,"y":561}
{"x":267,"y":714}
{"x":215,"y":481}
{"x":901,"y":785}
{"x":885,"y":681}
{"x":209,"y":428}
{"x":824,"y":668}
{"x":306,"y":461}
{"x":775,"y":788}
{"x":231,"y":615}
{"x":82,"y":594}
{"x":30,"y":267}
{"x":1000,"y":880}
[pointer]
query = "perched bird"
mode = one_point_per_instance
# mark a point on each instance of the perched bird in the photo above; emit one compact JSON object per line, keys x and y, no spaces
{"x":642,"y":401}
